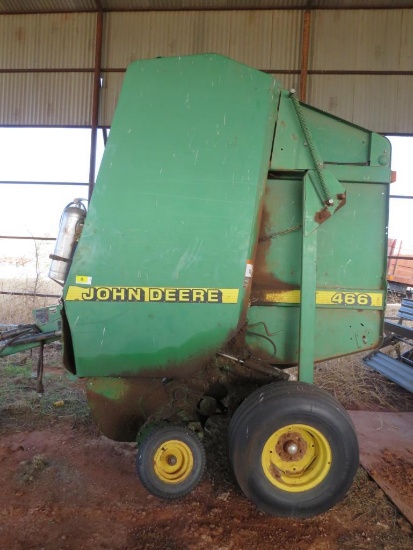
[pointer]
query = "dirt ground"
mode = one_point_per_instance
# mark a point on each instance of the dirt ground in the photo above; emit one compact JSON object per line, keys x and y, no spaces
{"x":65,"y":486}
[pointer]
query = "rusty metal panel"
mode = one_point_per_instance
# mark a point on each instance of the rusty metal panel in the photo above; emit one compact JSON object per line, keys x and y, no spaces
{"x":369,"y":39}
{"x":45,"y":99}
{"x":50,"y":41}
{"x":386,"y":452}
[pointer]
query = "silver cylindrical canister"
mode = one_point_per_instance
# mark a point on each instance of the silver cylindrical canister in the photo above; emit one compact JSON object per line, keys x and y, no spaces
{"x":71,"y":225}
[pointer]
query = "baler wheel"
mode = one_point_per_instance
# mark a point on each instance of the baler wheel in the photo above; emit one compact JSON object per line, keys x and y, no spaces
{"x":170,"y":461}
{"x":293,"y":449}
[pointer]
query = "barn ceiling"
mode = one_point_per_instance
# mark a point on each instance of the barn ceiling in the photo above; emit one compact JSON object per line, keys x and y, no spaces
{"x":59,"y":6}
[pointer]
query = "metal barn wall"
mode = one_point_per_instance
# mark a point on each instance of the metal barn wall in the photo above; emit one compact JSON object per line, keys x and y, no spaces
{"x":360,"y":65}
{"x":267,"y":40}
{"x":45,"y":63}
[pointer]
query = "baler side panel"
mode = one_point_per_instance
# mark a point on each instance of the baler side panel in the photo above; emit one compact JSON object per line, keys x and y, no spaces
{"x":175,"y":212}
{"x":350,"y":244}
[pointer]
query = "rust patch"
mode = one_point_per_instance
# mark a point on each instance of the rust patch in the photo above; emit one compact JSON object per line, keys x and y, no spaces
{"x":263,"y":277}
{"x":322,"y":215}
{"x":120,"y":419}
{"x":274,"y":471}
{"x":20,"y":34}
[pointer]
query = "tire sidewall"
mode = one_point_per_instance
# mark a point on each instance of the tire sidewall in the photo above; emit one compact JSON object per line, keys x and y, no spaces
{"x":145,"y":462}
{"x":250,"y":436}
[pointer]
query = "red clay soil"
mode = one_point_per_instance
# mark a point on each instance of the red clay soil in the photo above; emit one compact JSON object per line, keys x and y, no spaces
{"x":64,"y":487}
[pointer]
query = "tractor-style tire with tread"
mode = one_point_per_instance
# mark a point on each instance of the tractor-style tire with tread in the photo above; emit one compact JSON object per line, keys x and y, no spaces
{"x":293,"y":449}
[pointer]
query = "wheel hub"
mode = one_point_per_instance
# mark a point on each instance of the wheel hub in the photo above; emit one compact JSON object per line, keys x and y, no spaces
{"x":173,"y":461}
{"x":291,"y":446}
{"x":296,"y":458}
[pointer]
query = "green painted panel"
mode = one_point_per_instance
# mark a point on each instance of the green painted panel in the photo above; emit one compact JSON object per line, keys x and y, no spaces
{"x":351,"y":257}
{"x":337,"y":141}
{"x":176,"y":205}
{"x":337,"y":332}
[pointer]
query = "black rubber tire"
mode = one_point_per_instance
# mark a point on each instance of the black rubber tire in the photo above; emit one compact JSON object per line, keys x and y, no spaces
{"x":154,"y":442}
{"x":272,"y":408}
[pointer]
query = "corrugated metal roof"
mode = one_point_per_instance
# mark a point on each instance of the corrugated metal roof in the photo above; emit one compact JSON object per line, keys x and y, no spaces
{"x":48,"y":41}
{"x":45,"y":99}
{"x":114,"y":5}
{"x":41,"y":6}
{"x":45,"y":6}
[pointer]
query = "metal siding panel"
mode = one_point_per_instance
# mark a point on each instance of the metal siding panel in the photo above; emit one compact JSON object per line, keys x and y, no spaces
{"x":330,"y":31}
{"x":375,"y":40}
{"x":288,"y":81}
{"x":172,"y":34}
{"x":406,"y":41}
{"x":378,"y":46}
{"x":263,"y":39}
{"x":403,"y":123}
{"x":375,"y":104}
{"x":132,"y":36}
{"x":381,"y":103}
{"x":212,"y":32}
{"x":47,"y":41}
{"x":112,"y":83}
{"x":45,"y":99}
{"x":250,"y":38}
{"x":332,"y":93}
{"x":286,"y":40}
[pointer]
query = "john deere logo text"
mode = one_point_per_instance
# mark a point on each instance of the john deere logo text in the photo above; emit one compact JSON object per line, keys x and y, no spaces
{"x":153,"y":294}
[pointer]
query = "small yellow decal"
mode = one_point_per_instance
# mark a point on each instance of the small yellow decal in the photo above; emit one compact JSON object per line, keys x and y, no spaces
{"x":153,"y":294}
{"x":83,"y":280}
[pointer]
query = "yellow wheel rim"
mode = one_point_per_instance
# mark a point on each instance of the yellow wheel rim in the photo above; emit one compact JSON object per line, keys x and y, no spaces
{"x":296,"y":458}
{"x":173,"y":461}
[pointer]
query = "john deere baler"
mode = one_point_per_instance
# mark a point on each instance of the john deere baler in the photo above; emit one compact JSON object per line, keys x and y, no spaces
{"x":233,"y":232}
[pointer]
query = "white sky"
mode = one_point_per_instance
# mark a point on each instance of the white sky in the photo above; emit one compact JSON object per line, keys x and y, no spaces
{"x":44,"y":154}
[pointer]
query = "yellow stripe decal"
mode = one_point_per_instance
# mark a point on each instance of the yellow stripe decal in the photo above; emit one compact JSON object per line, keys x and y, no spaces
{"x":342,"y":298}
{"x":153,"y":294}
